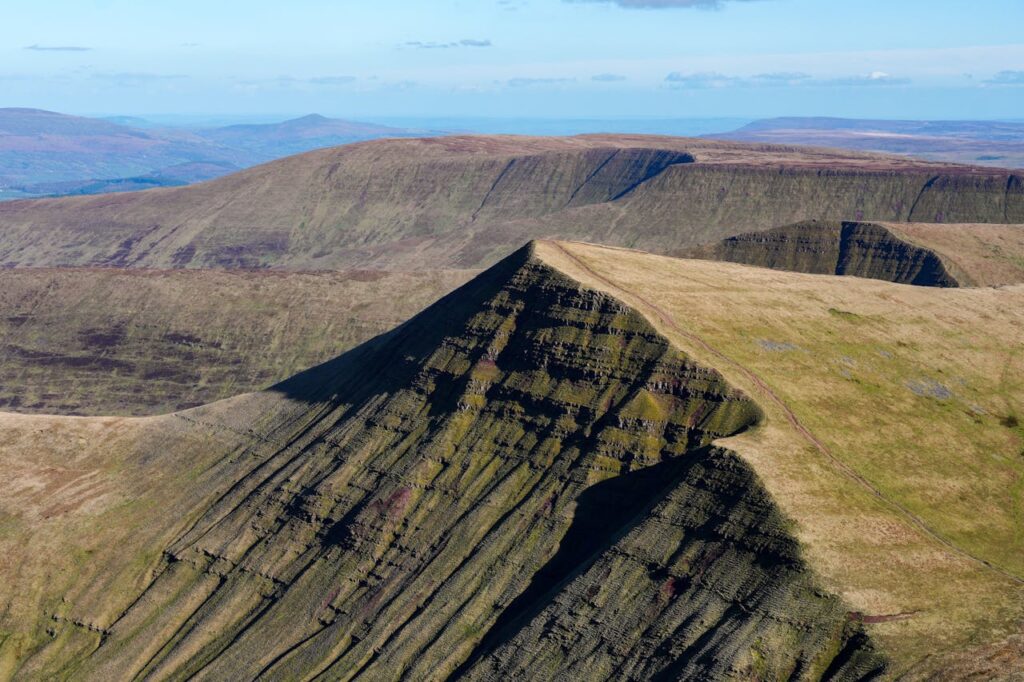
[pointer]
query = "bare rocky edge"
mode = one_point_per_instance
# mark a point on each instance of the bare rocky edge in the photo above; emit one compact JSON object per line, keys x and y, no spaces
{"x":521,"y":480}
{"x":834,"y":248}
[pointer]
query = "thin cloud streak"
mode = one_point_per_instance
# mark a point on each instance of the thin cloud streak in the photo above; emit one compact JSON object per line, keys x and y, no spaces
{"x":465,"y":42}
{"x":661,"y":4}
{"x":529,"y":82}
{"x":712,"y":80}
{"x":1007,"y":78}
{"x":56,"y":48}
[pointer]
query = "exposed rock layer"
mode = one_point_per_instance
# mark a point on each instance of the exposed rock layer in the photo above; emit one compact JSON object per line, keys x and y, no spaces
{"x":524,"y":452}
{"x":833,"y":248}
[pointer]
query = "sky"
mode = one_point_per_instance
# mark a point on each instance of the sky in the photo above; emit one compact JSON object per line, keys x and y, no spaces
{"x":924,"y":59}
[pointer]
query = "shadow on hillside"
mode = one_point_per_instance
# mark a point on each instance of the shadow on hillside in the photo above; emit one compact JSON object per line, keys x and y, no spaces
{"x":391,"y":360}
{"x":605,"y":513}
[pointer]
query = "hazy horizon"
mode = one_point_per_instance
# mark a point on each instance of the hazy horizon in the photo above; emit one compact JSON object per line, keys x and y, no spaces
{"x":506,"y":59}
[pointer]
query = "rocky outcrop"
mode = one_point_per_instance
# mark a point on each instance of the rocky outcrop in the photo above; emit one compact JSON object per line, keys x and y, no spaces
{"x":681,"y":594}
{"x":830,"y":248}
{"x":518,"y":479}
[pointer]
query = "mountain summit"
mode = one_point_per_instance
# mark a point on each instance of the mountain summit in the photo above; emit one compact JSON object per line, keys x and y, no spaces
{"x":549,"y":475}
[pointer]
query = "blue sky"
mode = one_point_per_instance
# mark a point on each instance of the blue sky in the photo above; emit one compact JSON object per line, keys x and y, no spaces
{"x":532,"y":58}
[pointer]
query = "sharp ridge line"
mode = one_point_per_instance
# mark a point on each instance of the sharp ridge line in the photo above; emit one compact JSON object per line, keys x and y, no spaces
{"x":791,"y":417}
{"x":648,"y":176}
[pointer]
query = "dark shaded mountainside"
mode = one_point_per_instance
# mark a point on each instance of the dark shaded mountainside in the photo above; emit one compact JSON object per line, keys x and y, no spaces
{"x":837,"y":248}
{"x":469,"y":201}
{"x":517,"y":482}
{"x":918,"y":254}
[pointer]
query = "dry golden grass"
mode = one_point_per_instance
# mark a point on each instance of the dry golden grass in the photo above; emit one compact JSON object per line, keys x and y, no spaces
{"x":86,"y":504}
{"x":978,"y":254}
{"x":891,"y":435}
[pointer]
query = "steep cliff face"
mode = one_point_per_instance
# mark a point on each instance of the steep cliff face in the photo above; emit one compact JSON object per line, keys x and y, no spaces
{"x":468,"y":202}
{"x":891,"y":435}
{"x":830,"y":248}
{"x":682,"y":594}
{"x":526,"y":451}
{"x":772,"y":196}
{"x":699,"y":203}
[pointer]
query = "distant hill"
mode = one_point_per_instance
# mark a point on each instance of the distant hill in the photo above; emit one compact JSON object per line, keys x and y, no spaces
{"x":991,"y":143}
{"x":39,"y":148}
{"x":274,"y":140}
{"x":466,"y":202}
{"x":45,"y":153}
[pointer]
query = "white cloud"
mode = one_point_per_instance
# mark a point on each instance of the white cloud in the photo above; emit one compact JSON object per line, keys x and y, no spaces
{"x":1007,"y":78}
{"x":465,"y":42}
{"x":528,"y":82}
{"x":57,"y":48}
{"x":714,"y":80}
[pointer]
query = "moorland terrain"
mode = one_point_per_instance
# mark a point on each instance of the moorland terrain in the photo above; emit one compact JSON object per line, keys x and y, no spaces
{"x":586,"y":462}
{"x":422,"y":208}
{"x":986,"y":143}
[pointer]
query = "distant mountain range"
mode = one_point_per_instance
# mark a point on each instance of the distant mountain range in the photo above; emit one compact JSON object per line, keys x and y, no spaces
{"x":274,"y":140}
{"x":43,"y":153}
{"x":46,"y":153}
{"x":987,"y":143}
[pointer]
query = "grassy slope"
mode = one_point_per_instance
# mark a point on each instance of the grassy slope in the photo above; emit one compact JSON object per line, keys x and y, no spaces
{"x":382,"y":519}
{"x":914,"y":394}
{"x":469,"y":201}
{"x":85,"y":513}
{"x":136,"y":342}
{"x":987,"y":255}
